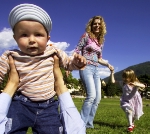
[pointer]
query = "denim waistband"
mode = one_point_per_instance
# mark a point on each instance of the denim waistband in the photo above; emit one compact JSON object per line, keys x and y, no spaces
{"x":21,"y":97}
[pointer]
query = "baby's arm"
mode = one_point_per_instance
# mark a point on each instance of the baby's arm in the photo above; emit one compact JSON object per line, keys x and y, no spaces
{"x":74,"y":62}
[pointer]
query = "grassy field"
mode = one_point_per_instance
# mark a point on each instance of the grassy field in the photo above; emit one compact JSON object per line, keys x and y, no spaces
{"x":110,"y":119}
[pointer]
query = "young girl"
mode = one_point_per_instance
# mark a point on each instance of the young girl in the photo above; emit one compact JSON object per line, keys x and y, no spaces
{"x":131,"y":101}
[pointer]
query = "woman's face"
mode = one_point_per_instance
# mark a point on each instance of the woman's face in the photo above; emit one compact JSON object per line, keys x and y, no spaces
{"x":96,"y":26}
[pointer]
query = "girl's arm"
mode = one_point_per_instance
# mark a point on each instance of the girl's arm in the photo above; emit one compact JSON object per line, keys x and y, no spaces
{"x":112,"y":76}
{"x":138,"y":85}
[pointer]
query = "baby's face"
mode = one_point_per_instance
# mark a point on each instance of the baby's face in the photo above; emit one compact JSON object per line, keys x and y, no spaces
{"x":31,"y":37}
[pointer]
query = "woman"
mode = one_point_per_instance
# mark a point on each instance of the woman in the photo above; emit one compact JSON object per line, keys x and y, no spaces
{"x":90,"y":46}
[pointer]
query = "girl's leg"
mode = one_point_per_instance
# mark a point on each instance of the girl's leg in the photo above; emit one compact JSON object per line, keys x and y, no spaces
{"x":86,"y":76}
{"x":133,"y":119}
{"x":129,"y":118}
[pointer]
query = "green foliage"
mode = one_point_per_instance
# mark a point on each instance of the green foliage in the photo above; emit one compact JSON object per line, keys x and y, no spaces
{"x":4,"y":82}
{"x":73,"y":83}
{"x":144,"y":79}
{"x":111,"y":89}
{"x":102,"y":93}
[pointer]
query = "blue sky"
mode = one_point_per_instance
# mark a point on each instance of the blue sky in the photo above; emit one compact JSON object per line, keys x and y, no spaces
{"x":127,"y":41}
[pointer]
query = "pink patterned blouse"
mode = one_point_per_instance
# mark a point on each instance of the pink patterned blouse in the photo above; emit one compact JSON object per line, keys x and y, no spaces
{"x":90,"y":49}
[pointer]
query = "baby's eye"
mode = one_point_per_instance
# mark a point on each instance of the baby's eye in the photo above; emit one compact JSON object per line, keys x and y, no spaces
{"x":24,"y":35}
{"x":38,"y":34}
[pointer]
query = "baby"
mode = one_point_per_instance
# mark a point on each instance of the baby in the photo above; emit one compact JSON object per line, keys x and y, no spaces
{"x":33,"y":105}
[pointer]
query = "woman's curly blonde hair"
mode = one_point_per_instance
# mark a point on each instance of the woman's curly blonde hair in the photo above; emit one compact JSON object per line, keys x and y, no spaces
{"x":102,"y":32}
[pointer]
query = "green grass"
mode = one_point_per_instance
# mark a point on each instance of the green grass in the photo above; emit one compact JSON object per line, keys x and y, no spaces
{"x":110,"y":119}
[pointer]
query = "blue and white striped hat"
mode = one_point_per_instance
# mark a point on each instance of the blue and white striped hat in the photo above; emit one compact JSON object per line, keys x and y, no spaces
{"x":30,"y":12}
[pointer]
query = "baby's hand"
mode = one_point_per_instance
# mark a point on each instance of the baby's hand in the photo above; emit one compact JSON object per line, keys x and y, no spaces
{"x":79,"y":61}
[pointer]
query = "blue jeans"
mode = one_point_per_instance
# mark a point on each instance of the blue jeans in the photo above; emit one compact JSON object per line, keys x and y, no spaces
{"x":90,"y":77}
{"x":42,"y":116}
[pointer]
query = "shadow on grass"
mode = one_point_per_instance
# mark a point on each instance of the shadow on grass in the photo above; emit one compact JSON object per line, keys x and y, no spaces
{"x":108,"y":124}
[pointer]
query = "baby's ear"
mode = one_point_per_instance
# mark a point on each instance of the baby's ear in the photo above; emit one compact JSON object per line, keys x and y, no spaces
{"x":48,"y":38}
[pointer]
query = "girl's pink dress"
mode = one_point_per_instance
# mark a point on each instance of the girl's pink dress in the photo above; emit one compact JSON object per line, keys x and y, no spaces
{"x":131,"y":101}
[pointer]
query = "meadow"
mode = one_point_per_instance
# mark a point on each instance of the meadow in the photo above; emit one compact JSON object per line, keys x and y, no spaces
{"x":110,"y":119}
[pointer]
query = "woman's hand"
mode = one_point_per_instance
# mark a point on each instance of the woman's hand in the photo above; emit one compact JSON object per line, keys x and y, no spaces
{"x":111,"y":68}
{"x":105,"y":63}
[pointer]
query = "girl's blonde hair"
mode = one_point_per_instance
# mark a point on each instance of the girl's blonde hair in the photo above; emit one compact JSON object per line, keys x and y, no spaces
{"x":102,"y":32}
{"x":129,"y":73}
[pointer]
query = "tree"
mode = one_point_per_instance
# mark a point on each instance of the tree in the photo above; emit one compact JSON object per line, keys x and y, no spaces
{"x":111,"y":89}
{"x":82,"y":90}
{"x":144,"y":79}
{"x":73,"y":83}
{"x":4,"y":82}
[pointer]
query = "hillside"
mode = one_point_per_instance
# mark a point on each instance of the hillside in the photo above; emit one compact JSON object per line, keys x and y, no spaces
{"x":140,"y":69}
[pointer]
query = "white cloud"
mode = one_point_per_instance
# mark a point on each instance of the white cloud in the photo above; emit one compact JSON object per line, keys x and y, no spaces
{"x":61,"y":45}
{"x":6,"y":39}
{"x":104,"y":72}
